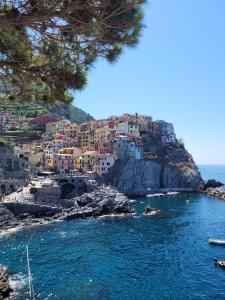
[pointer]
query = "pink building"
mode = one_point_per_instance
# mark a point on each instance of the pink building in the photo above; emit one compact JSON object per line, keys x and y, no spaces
{"x":64,"y":163}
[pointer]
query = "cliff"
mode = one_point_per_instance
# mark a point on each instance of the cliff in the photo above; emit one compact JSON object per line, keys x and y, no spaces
{"x":170,"y":168}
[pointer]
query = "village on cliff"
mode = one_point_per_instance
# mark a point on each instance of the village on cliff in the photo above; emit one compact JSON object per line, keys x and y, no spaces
{"x":94,"y":146}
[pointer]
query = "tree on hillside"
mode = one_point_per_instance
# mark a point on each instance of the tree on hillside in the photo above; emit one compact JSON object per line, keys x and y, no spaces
{"x":47,"y":47}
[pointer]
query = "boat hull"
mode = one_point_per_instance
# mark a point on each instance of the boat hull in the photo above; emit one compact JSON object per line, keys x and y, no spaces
{"x":217,"y":242}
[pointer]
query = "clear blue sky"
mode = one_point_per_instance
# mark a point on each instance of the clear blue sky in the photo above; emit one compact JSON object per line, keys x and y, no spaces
{"x":176,"y":73}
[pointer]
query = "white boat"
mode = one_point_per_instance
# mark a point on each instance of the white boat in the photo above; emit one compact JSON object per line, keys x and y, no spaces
{"x":217,"y":242}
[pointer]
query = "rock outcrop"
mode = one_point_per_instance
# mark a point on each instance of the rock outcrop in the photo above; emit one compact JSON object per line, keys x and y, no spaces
{"x":19,"y":215}
{"x":103,"y":201}
{"x":5,"y":288}
{"x":212,"y":183}
{"x":138,"y":177}
{"x":106,"y":200}
{"x":216,"y":192}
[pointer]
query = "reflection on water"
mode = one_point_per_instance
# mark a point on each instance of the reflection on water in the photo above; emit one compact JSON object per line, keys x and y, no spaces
{"x":166,"y":256}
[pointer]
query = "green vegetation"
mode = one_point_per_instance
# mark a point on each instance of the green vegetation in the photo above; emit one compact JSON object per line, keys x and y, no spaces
{"x":27,"y":109}
{"x":31,"y":109}
{"x":48,"y":47}
{"x":180,"y":143}
{"x":20,"y":135}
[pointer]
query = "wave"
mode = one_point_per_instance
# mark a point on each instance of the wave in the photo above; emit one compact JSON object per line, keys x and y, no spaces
{"x":17,"y":282}
{"x":162,"y":194}
{"x":117,"y":216}
{"x":9,"y":231}
{"x":155,"y":195}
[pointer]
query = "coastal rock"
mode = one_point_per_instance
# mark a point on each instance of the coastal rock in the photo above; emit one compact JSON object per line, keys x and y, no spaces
{"x":139,"y":177}
{"x":216,"y":192}
{"x":19,"y":215}
{"x":35,"y":210}
{"x":5,"y":288}
{"x":212,"y":183}
{"x":104,"y":200}
{"x":5,"y":214}
{"x":135,"y":176}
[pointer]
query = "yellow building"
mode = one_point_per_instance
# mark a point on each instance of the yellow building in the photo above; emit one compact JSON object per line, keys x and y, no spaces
{"x":48,"y":159}
{"x":87,"y":161}
{"x":72,"y":130}
{"x":87,"y":141}
{"x":75,"y":152}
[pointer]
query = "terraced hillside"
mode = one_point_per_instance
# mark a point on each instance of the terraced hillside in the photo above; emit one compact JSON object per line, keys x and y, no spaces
{"x":33,"y":108}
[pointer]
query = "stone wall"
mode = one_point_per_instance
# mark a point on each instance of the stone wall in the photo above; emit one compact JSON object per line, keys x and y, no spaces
{"x":8,"y":186}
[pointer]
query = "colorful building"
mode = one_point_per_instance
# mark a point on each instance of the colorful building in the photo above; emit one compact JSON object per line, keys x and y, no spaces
{"x":103,"y":163}
{"x":126,"y":148}
{"x":64,"y":163}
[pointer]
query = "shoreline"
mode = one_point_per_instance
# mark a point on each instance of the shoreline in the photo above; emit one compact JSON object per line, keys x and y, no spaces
{"x":75,"y":213}
{"x":104,"y":201}
{"x":13,"y":230}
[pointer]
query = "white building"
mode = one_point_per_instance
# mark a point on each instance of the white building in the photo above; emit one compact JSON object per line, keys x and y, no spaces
{"x":103,"y":163}
{"x":125,"y":148}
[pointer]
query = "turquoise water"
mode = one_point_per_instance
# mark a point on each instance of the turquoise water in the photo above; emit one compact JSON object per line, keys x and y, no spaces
{"x":161,"y":257}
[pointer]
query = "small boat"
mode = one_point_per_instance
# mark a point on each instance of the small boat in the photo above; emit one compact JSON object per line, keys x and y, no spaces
{"x":150,"y":211}
{"x":217,"y":242}
{"x":220,"y":263}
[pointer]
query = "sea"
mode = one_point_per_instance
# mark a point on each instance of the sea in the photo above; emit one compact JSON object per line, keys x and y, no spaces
{"x":166,"y":256}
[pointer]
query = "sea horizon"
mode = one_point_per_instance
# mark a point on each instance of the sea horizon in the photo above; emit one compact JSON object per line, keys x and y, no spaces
{"x":209,"y":171}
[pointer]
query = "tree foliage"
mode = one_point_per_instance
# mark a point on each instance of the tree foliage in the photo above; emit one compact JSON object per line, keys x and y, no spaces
{"x":47,"y":47}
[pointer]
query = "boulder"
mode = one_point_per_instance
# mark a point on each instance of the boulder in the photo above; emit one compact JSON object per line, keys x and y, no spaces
{"x":5,"y":288}
{"x":5,"y":214}
{"x":212,"y":183}
{"x":103,"y":201}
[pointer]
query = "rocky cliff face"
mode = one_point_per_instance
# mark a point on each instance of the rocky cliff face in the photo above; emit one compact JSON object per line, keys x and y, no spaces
{"x":175,"y":169}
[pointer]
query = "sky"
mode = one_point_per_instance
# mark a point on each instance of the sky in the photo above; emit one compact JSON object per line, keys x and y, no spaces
{"x":176,"y":74}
